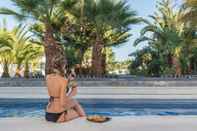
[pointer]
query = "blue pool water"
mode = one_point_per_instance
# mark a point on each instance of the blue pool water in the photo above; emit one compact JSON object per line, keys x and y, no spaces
{"x":35,"y":108}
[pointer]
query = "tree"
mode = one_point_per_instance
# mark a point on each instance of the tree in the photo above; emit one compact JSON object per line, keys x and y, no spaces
{"x":145,"y":62}
{"x":50,"y":13}
{"x":20,"y":46}
{"x":189,"y":17}
{"x":166,"y":35}
{"x":33,"y":52}
{"x":16,"y":48}
{"x":190,"y":11}
{"x":6,"y":49}
{"x":110,"y":21}
{"x":77,"y":37}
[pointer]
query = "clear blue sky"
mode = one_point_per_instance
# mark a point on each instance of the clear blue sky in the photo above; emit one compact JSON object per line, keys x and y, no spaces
{"x":143,"y":8}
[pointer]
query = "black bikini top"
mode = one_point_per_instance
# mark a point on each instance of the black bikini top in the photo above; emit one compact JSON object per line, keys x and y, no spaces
{"x":51,"y":98}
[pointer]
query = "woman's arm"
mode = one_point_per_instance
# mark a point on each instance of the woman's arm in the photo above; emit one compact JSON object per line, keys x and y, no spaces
{"x":63,"y":96}
{"x":65,"y":101}
{"x":73,"y":92}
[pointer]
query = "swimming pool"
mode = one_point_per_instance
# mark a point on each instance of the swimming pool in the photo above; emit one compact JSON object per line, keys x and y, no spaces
{"x":108,"y":107}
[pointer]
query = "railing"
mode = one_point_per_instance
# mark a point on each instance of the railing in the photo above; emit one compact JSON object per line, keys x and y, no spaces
{"x":104,"y":82}
{"x":126,"y":77}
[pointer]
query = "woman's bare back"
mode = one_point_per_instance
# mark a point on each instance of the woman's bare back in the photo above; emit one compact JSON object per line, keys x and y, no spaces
{"x":54,"y":85}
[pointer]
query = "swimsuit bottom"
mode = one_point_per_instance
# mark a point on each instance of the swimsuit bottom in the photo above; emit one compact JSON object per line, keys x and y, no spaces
{"x":53,"y":117}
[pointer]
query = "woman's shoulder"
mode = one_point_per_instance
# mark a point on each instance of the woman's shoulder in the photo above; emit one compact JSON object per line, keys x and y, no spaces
{"x":62,"y":79}
{"x":56,"y":77}
{"x":50,"y":75}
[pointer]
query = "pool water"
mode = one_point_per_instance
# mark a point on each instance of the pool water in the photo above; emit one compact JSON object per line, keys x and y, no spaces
{"x":108,"y":107}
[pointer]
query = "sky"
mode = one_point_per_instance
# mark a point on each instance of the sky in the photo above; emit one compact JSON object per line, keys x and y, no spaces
{"x":144,"y":8}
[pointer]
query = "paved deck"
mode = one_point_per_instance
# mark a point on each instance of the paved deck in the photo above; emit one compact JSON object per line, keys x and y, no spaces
{"x":142,"y":123}
{"x":107,"y":92}
{"x":148,"y":123}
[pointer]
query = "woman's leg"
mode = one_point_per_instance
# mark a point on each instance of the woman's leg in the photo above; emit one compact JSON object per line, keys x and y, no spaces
{"x":71,"y":114}
{"x":79,"y":110}
{"x":72,"y":103}
{"x":67,"y":116}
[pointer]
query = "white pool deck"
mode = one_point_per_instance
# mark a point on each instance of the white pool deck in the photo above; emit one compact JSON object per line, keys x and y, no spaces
{"x":107,"y":92}
{"x":148,"y":123}
{"x":132,"y":123}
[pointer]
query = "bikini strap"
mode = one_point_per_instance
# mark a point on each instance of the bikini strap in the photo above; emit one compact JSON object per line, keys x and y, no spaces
{"x":52,"y":98}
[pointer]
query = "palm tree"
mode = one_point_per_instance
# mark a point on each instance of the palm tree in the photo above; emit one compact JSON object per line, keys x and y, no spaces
{"x":189,"y":48}
{"x":33,"y":52}
{"x":21,"y":45}
{"x":190,"y":19}
{"x":6,"y":48}
{"x":16,"y":48}
{"x":78,"y":40}
{"x":24,"y":50}
{"x":166,"y":32}
{"x":50,"y":13}
{"x":190,"y":8}
{"x":146,"y":62}
{"x":109,"y":19}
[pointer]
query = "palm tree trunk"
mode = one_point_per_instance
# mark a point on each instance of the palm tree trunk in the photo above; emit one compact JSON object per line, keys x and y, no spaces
{"x":104,"y":62}
{"x":81,"y":56}
{"x":5,"y":69}
{"x":26,"y":72}
{"x":189,"y":68}
{"x":18,"y":68}
{"x":177,"y":66}
{"x":54,"y":52}
{"x":97,"y":61}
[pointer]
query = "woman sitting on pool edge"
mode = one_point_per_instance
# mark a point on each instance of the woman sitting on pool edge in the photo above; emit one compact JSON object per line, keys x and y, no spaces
{"x":62,"y":107}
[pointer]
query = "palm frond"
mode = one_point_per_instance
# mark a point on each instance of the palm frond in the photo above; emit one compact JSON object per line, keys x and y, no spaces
{"x":17,"y":15}
{"x":151,"y":28}
{"x":142,"y":39}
